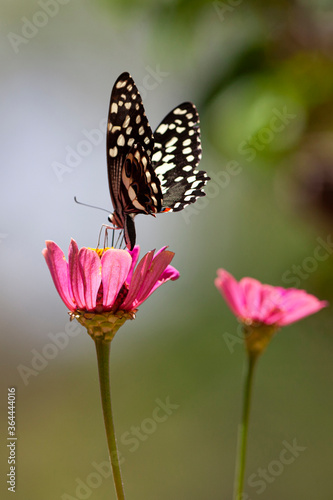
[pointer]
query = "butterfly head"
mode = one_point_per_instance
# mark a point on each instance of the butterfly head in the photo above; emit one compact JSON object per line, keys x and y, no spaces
{"x":116,"y":220}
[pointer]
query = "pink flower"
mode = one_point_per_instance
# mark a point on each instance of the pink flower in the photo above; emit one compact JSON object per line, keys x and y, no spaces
{"x":253,"y":302}
{"x":106,"y":280}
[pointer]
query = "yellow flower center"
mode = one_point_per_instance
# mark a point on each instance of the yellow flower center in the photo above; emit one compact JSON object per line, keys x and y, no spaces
{"x":99,"y":251}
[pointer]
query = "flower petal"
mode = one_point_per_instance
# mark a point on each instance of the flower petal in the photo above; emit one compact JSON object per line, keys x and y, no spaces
{"x":75,"y":275}
{"x":56,"y":261}
{"x":253,"y":297}
{"x":90,"y":266}
{"x":154,"y":276}
{"x":231,"y":292}
{"x":116,"y":265}
{"x":135,"y":255}
{"x":271,"y":305}
{"x":297,"y":304}
{"x":137,"y":280}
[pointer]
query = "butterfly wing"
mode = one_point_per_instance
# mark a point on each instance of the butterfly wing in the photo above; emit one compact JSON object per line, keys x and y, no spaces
{"x":128,"y":131}
{"x":177,"y":153}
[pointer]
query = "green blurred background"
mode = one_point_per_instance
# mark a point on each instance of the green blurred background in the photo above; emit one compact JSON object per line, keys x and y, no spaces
{"x":261,"y":75}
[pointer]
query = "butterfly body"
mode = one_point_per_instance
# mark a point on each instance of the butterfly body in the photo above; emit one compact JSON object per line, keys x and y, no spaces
{"x":150,"y":173}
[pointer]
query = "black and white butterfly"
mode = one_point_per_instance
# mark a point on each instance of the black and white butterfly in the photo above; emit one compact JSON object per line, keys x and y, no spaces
{"x":150,"y":173}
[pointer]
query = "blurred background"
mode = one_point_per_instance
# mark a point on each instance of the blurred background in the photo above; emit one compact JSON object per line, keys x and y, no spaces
{"x":261,"y":76}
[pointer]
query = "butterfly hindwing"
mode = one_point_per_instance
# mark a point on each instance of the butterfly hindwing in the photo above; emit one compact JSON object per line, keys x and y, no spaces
{"x":140,"y":187}
{"x":177,"y":153}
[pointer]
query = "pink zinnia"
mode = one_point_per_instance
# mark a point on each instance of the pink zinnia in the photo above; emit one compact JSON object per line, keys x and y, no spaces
{"x":251,"y":301}
{"x":104,"y":284}
{"x":264,"y":308}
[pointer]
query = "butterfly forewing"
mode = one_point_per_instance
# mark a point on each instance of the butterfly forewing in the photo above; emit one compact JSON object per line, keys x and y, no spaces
{"x":177,"y":152}
{"x":127,"y":126}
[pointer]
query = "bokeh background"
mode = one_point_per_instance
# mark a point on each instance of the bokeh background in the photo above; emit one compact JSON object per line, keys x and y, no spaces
{"x":261,"y":75}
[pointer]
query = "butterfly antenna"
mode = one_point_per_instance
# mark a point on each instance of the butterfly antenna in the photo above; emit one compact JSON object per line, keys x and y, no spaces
{"x":91,"y":206}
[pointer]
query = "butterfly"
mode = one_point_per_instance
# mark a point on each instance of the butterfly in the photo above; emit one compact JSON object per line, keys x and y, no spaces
{"x":150,"y":172}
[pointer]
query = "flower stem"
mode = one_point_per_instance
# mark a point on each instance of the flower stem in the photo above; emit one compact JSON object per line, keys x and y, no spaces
{"x":103,"y":355}
{"x":243,"y":430}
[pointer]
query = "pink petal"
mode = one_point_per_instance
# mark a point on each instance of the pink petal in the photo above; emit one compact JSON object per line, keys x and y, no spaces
{"x":135,"y":255}
{"x":90,"y":266}
{"x":75,"y":275}
{"x":153,"y":280}
{"x":298,"y":304}
{"x":137,"y":279}
{"x":253,"y":297}
{"x":170,"y":273}
{"x":231,"y":292}
{"x":249,"y":299}
{"x":116,"y":265}
{"x":56,"y":261}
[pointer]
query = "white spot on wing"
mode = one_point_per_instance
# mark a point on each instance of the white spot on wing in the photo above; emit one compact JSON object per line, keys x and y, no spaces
{"x":114,"y":107}
{"x":179,"y":111}
{"x":157,"y":156}
{"x":113,"y":151}
{"x":167,"y":158}
{"x":121,"y":140}
{"x":164,"y":168}
{"x":121,"y":84}
{"x":172,"y":142}
{"x":126,"y":121}
{"x":162,"y":128}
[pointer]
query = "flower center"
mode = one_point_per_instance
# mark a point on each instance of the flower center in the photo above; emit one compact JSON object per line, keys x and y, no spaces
{"x":99,"y":251}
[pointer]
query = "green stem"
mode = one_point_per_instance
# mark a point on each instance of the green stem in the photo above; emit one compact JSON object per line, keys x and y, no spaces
{"x":243,"y":430}
{"x":103,"y":355}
